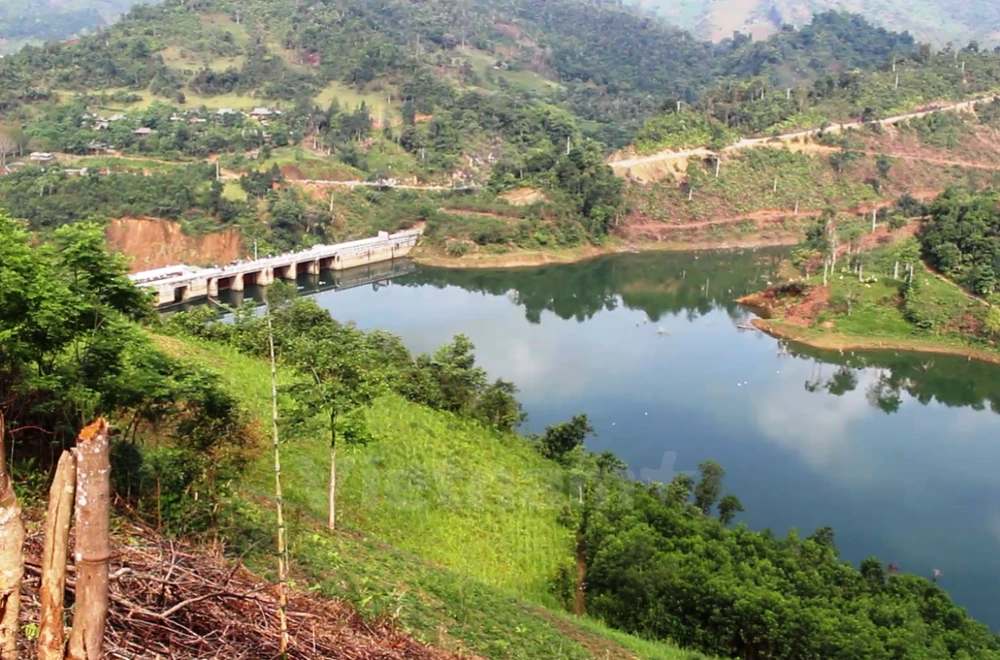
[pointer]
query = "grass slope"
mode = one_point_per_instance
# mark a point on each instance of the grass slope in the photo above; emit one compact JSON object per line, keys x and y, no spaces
{"x":471,"y":518}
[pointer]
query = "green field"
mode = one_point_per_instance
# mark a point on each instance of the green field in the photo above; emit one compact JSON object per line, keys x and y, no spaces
{"x":234,"y":192}
{"x":523,"y":79}
{"x":310,"y":165}
{"x":350,"y":98}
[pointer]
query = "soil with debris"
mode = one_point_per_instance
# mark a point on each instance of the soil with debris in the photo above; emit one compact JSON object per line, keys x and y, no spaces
{"x":170,"y":600}
{"x":796,"y":304}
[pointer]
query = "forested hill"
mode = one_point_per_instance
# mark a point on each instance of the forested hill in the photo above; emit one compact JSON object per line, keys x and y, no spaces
{"x":605,"y":62}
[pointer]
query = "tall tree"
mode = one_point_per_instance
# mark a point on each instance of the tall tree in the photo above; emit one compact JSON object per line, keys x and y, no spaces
{"x":341,"y":373}
{"x":560,"y":439}
{"x":729,"y":506}
{"x":709,"y":486}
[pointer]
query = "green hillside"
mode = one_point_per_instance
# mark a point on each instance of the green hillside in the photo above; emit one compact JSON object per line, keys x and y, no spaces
{"x":457,"y":568}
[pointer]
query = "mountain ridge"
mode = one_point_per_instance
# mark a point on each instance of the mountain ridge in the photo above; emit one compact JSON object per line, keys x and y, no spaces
{"x":939,"y":23}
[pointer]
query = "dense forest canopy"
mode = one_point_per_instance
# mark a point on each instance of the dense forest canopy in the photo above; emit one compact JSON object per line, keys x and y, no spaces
{"x":609,"y":64}
{"x":663,"y":562}
{"x":962,"y":239}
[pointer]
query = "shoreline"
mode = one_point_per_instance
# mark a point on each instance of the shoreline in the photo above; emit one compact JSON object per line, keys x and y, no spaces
{"x":530,"y":259}
{"x":837,"y":341}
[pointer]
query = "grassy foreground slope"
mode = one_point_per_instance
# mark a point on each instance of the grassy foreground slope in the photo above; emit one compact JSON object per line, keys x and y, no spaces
{"x":472,"y":520}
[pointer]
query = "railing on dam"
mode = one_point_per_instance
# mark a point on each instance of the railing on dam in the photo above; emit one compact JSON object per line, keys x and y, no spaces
{"x":181,"y":283}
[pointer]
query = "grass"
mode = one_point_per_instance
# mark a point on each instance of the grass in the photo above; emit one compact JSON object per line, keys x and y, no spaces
{"x":234,"y":192}
{"x":224,"y":23}
{"x":433,"y":484}
{"x":311,"y":166}
{"x":131,"y":164}
{"x":185,"y":60}
{"x":933,"y":315}
{"x":446,"y":490}
{"x":234,"y":101}
{"x":746,"y":184}
{"x":389,"y":158}
{"x":66,"y":96}
{"x":523,"y":79}
{"x":350,"y":98}
{"x":471,"y":518}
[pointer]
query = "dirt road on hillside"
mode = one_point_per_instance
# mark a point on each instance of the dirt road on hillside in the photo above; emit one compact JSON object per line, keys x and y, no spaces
{"x":750,"y":143}
{"x":765,"y":216}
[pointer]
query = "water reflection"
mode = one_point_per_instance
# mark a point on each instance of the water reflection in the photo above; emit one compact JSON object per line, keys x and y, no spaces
{"x":950,"y":380}
{"x":692,"y":283}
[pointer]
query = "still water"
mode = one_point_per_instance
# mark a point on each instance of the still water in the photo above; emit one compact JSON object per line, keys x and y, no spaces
{"x":895,"y":451}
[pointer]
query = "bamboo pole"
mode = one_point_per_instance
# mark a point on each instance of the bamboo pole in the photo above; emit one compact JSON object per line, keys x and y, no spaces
{"x":279,"y":502}
{"x":11,"y":558}
{"x":332,"y":494}
{"x":93,"y":543}
{"x":52,"y":633}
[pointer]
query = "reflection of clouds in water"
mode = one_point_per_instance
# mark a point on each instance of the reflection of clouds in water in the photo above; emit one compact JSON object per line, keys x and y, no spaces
{"x":556,"y":359}
{"x":817,"y":426}
{"x":912,"y":454}
{"x":538,"y":367}
{"x":993,"y":523}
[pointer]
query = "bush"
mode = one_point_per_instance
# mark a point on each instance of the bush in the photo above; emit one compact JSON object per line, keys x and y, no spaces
{"x":456,"y":248}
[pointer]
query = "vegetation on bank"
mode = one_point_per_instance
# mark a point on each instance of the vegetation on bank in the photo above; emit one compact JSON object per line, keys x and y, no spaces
{"x":679,"y":533}
{"x":890,"y":295}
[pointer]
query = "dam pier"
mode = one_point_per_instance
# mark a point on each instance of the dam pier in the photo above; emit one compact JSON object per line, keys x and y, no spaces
{"x":179,"y":284}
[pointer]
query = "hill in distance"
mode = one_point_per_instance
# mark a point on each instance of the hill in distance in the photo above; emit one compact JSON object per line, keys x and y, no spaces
{"x":23,"y":21}
{"x":936,"y":21}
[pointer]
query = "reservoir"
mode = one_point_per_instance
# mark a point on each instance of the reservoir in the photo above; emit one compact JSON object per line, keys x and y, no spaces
{"x":897,"y":452}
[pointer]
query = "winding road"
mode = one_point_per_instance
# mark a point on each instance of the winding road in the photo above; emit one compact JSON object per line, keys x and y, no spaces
{"x":750,"y":143}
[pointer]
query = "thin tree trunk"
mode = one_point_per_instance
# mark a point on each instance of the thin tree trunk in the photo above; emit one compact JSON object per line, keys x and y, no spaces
{"x":331,"y":522}
{"x":93,"y":543}
{"x":278,"y":498}
{"x":52,"y":634}
{"x":11,"y":558}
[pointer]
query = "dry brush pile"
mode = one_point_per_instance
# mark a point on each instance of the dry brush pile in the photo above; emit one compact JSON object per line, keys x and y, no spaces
{"x":133,"y":594}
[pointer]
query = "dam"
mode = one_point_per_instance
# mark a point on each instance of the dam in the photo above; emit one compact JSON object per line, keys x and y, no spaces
{"x":179,"y":284}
